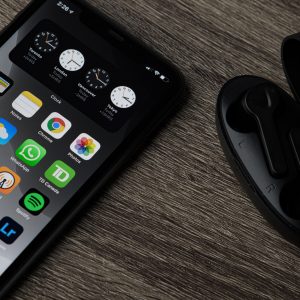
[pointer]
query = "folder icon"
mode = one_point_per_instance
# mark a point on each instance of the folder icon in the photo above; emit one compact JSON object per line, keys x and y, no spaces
{"x":27,"y":104}
{"x":4,"y":85}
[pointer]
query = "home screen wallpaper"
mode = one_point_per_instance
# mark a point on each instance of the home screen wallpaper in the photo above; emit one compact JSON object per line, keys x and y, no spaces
{"x":67,"y":100}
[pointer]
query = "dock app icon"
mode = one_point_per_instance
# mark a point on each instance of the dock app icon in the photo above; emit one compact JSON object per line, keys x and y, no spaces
{"x":27,"y":104}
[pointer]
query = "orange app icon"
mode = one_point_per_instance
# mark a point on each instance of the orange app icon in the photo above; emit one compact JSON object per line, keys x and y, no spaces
{"x":9,"y":180}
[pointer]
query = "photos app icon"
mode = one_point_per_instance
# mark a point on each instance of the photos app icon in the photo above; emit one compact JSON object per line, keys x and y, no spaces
{"x":85,"y":146}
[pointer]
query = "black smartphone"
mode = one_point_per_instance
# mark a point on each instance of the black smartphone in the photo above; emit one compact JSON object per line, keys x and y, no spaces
{"x":78,"y":96}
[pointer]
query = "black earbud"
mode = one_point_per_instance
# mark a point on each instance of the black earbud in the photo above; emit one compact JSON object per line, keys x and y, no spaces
{"x":295,"y":141}
{"x":261,"y":103}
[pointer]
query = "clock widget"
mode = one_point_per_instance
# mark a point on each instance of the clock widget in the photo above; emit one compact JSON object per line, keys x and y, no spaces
{"x":46,"y":42}
{"x":123,"y":97}
{"x":72,"y":60}
{"x":97,"y":79}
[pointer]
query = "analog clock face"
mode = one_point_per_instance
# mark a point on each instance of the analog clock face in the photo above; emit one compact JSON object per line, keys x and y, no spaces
{"x":46,"y":42}
{"x":72,"y":60}
{"x":123,"y":97}
{"x":97,"y":79}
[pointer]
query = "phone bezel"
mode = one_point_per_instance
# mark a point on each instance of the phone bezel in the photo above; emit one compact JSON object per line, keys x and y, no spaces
{"x":110,"y":167}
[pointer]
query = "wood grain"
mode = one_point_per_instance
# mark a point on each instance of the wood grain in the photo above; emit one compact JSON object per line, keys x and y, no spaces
{"x":176,"y":224}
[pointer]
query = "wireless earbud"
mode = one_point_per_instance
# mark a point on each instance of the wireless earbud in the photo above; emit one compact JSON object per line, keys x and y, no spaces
{"x":259,"y":128}
{"x":262,"y":103}
{"x":295,"y":141}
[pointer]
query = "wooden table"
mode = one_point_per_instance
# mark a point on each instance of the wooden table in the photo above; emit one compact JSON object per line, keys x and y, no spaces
{"x":176,"y":224}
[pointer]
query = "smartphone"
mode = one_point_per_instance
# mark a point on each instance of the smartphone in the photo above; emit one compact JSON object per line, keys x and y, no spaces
{"x":78,"y":96}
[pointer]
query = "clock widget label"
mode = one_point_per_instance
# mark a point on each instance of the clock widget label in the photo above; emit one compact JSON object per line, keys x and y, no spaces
{"x":72,"y":60}
{"x":46,"y":42}
{"x":123,"y":97}
{"x":97,"y":79}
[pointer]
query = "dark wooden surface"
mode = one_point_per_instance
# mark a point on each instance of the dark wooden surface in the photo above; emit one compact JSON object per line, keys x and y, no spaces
{"x":176,"y":224}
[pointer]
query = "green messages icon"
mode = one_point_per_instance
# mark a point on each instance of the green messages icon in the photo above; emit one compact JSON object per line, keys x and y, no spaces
{"x":60,"y":174}
{"x":31,"y":153}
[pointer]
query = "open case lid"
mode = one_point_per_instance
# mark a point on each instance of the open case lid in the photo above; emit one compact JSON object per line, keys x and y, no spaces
{"x":291,"y":62}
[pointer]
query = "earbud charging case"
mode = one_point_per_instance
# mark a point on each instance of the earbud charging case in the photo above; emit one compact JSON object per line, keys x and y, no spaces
{"x":259,"y":128}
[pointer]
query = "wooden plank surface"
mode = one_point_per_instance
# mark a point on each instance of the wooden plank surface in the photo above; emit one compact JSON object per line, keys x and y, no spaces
{"x":176,"y":224}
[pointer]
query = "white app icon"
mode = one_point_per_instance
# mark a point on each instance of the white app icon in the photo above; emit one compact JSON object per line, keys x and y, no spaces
{"x":56,"y":125}
{"x":27,"y":104}
{"x":85,"y":146}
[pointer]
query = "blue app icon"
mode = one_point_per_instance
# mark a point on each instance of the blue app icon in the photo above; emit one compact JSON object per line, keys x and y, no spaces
{"x":9,"y":230}
{"x":7,"y":131}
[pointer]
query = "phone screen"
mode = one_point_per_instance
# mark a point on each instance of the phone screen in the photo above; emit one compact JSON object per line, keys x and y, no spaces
{"x":69,"y":97}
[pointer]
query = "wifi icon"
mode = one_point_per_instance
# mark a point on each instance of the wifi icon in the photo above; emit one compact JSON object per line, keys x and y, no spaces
{"x":34,"y":202}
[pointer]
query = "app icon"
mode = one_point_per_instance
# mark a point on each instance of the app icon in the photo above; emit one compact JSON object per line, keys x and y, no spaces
{"x":31,"y":153}
{"x":27,"y":104}
{"x":34,"y":202}
{"x":9,"y":180}
{"x":56,"y":125}
{"x":9,"y":230}
{"x":5,"y":84}
{"x":60,"y":174}
{"x":7,"y":131}
{"x":85,"y":146}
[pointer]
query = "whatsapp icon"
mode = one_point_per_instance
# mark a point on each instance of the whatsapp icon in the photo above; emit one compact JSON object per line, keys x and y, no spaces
{"x":31,"y":153}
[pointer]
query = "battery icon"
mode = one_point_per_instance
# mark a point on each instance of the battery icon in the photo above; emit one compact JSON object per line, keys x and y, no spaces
{"x":164,"y":79}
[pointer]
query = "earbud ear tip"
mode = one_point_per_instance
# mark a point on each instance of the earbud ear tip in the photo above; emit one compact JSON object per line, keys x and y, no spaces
{"x":265,"y":97}
{"x":238,"y":118}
